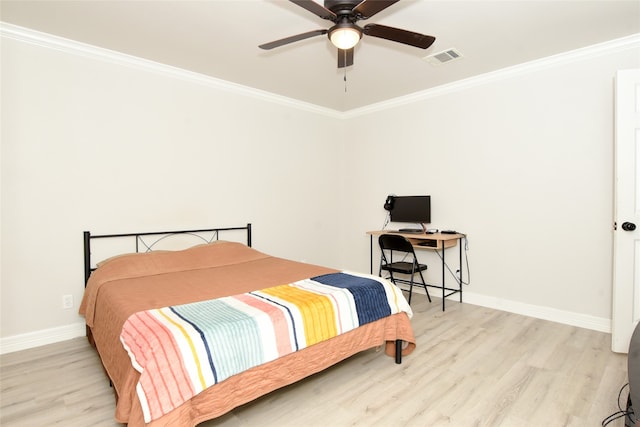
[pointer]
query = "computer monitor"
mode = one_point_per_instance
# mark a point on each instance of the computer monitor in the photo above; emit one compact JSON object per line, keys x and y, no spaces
{"x":416,"y":209}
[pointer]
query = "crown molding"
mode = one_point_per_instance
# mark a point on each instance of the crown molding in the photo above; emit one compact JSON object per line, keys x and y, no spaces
{"x":73,"y":47}
{"x":82,"y":49}
{"x":606,"y":48}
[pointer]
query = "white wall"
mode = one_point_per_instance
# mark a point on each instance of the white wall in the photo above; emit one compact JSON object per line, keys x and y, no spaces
{"x":93,"y":145}
{"x":522,"y":163}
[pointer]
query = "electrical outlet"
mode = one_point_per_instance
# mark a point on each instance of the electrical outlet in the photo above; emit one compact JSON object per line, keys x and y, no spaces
{"x":67,"y":301}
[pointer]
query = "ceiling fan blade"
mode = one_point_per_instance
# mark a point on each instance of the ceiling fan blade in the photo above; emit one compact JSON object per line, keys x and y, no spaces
{"x":291,"y":39}
{"x":397,"y":35}
{"x":368,"y":8}
{"x":316,"y":9}
{"x":345,"y":57}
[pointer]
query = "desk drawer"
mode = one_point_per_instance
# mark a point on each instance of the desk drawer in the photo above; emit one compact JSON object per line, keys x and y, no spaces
{"x":432,"y":243}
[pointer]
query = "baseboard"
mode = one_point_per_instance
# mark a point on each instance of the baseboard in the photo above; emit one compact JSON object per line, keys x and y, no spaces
{"x":599,"y":324}
{"x":42,"y":337}
{"x":63,"y":333}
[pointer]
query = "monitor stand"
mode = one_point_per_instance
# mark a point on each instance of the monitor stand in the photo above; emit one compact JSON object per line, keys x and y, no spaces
{"x":411,"y":230}
{"x":414,"y":230}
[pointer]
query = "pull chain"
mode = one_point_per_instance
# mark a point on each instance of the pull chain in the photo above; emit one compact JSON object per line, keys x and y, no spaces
{"x":345,"y":71}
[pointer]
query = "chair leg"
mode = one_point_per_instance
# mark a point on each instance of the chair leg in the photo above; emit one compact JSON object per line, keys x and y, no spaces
{"x":394,"y":282}
{"x":424,"y":285}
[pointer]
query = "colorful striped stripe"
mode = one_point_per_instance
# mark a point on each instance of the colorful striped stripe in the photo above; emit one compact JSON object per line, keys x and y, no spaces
{"x":181,"y":350}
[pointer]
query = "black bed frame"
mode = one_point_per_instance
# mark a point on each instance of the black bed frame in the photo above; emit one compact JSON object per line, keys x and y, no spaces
{"x":160,"y":235}
{"x":156,"y":237}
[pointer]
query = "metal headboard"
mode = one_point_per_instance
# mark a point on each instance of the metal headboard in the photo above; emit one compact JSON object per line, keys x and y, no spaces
{"x":148,"y":244}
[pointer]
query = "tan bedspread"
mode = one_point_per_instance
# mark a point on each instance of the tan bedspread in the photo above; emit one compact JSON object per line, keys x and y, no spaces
{"x":126,"y":285}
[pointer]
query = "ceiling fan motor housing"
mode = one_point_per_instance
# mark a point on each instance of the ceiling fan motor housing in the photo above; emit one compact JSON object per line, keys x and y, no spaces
{"x":345,"y":34}
{"x":342,"y":8}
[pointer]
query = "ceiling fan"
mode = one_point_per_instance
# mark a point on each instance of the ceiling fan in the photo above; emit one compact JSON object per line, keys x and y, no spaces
{"x":345,"y":33}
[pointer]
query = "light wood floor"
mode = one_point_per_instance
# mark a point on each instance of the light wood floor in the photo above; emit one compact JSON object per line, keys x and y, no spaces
{"x":473,"y":367}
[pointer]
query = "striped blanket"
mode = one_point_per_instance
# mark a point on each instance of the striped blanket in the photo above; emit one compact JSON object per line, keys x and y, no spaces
{"x":181,"y":350}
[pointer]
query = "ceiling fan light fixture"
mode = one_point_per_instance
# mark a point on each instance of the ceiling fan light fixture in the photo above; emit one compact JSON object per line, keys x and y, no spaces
{"x":345,"y":36}
{"x":345,"y":33}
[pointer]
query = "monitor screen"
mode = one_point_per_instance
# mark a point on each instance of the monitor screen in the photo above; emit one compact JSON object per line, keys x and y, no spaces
{"x":415,"y":209}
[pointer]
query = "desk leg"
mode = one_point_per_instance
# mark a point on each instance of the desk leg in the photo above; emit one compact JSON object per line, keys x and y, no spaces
{"x":443,"y":276}
{"x":460,"y":266}
{"x":371,"y":254}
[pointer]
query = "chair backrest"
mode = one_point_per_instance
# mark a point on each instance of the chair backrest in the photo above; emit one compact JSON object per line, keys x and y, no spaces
{"x":395,"y":242}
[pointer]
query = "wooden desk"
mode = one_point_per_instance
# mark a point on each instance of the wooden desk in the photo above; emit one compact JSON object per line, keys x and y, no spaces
{"x":435,"y":242}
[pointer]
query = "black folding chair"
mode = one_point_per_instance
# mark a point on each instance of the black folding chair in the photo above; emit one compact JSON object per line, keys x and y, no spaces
{"x":395,"y":245}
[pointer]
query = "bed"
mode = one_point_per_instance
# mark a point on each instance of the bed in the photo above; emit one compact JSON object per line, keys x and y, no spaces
{"x":125,"y":288}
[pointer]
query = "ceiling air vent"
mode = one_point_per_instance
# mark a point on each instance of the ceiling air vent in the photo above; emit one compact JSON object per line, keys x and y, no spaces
{"x":442,"y":57}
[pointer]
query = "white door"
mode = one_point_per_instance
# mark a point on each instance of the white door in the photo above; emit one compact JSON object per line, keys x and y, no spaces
{"x":626,"y":269}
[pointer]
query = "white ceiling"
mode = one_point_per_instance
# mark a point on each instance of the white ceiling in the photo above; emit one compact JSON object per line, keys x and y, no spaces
{"x":220,"y":38}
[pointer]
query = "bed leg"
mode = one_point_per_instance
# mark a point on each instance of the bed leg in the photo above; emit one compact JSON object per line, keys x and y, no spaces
{"x":89,"y":334}
{"x":398,"y":351}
